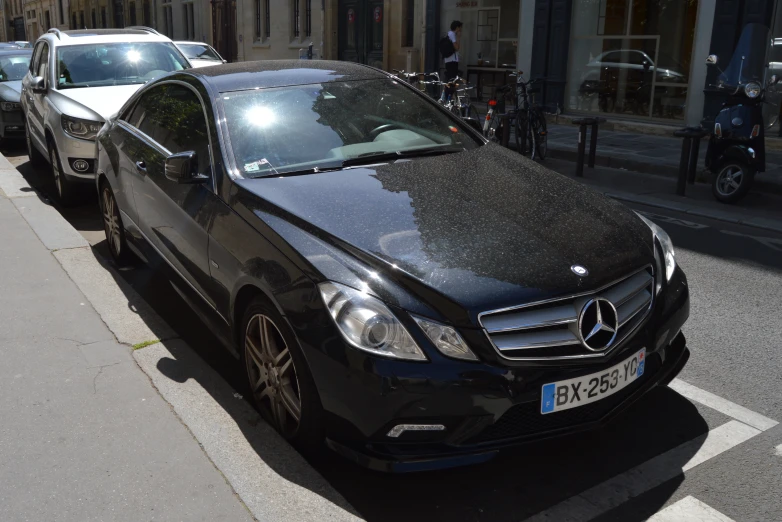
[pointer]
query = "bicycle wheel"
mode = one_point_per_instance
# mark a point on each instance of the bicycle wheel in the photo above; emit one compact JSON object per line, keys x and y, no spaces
{"x":538,"y":120}
{"x":525,"y":138}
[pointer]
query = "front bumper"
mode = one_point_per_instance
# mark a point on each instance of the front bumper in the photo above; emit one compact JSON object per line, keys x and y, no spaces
{"x":483,"y":406}
{"x":76,"y":156}
{"x":11,"y":124}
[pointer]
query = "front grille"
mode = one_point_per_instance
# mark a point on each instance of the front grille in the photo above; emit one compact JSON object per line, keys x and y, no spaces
{"x":525,"y":420}
{"x":549,"y":330}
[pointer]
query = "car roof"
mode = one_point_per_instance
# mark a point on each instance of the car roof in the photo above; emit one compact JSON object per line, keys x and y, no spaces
{"x":279,"y":73}
{"x":93,"y":36}
{"x":15,"y":52}
{"x":186,"y":42}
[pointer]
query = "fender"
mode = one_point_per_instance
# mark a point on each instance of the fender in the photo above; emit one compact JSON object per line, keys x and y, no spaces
{"x":743,"y":153}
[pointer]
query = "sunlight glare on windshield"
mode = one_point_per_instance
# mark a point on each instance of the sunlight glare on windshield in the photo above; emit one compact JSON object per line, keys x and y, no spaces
{"x":261,"y":116}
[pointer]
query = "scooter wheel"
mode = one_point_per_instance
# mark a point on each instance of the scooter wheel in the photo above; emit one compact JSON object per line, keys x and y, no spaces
{"x":732,"y":181}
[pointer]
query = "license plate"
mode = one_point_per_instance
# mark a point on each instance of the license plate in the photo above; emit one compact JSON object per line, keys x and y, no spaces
{"x":572,"y":393}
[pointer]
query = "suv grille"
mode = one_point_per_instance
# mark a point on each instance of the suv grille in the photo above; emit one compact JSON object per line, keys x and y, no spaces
{"x":549,"y":330}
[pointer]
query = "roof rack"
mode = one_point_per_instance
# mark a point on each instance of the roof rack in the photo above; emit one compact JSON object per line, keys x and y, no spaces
{"x":56,"y":32}
{"x":143,"y":28}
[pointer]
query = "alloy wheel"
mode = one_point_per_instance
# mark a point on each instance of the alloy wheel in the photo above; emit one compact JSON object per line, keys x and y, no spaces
{"x":729,"y":180}
{"x":55,"y":170}
{"x":111,"y":222}
{"x":272,"y":375}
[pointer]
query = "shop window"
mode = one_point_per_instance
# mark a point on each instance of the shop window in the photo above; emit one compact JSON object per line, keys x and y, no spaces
{"x":262,"y":22}
{"x":295,"y":18}
{"x":132,"y":12}
{"x":94,"y":22}
{"x":490,"y":31}
{"x":308,"y":18}
{"x":631,"y":57}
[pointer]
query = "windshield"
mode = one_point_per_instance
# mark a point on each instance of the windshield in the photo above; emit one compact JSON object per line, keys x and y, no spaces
{"x":199,"y":52}
{"x":111,"y":64}
{"x":749,"y":60}
{"x":288,"y":129}
{"x":14,"y":67}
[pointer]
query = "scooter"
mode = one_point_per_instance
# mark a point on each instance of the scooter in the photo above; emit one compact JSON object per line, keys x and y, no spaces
{"x":737,"y":148}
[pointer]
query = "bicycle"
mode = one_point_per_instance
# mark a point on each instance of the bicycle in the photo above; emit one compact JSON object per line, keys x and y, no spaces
{"x":527,"y":119}
{"x":453,"y":97}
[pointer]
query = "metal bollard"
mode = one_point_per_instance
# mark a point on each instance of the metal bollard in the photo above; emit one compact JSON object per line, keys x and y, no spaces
{"x":593,"y":141}
{"x":688,"y":162}
{"x":582,"y":127}
{"x":581,"y":148}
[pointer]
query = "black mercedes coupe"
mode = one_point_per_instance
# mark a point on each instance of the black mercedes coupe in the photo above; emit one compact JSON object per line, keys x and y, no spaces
{"x":394,"y":285}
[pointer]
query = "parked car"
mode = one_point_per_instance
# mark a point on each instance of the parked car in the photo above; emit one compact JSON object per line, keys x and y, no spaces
{"x":200,"y":54}
{"x":22,"y":44}
{"x":13,"y":66}
{"x":8,"y":46}
{"x":76,"y":81}
{"x":392,"y":283}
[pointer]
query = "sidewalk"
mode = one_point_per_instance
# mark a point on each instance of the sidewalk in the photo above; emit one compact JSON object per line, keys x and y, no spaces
{"x":759,"y":210}
{"x":644,"y":153}
{"x":85,"y":434}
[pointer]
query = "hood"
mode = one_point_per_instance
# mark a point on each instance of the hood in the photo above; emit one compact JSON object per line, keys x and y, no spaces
{"x":196,"y":63}
{"x":11,"y":91}
{"x":486,"y":228}
{"x":103,"y":101}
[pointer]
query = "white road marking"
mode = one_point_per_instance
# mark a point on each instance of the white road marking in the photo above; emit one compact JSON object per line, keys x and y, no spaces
{"x":778,"y":451}
{"x":621,"y":488}
{"x":690,"y":509}
{"x":724,"y":406}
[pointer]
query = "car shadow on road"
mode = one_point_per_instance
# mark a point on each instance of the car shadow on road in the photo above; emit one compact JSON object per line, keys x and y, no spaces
{"x":524,"y":481}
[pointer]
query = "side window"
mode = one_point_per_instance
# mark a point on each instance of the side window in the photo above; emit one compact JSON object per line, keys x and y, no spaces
{"x":174,"y":118}
{"x":36,"y":58}
{"x":132,"y":114}
{"x":43,"y":62}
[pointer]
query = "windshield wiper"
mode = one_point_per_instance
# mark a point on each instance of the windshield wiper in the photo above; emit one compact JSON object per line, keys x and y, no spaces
{"x":375,"y":157}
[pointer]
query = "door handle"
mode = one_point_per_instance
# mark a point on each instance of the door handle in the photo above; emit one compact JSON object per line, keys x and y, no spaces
{"x":141,"y":166}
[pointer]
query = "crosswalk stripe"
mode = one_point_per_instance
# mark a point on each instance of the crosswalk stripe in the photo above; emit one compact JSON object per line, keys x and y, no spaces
{"x":740,"y":413}
{"x":689,"y":508}
{"x":630,"y":484}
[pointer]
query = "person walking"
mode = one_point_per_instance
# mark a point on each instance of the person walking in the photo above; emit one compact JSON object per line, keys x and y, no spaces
{"x":452,"y":61}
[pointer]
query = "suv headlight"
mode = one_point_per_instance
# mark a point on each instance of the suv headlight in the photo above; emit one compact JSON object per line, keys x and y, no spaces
{"x":446,"y":339}
{"x":752,"y":90}
{"x":82,"y":129}
{"x":9,"y":106}
{"x":669,"y":256}
{"x":367,"y":324}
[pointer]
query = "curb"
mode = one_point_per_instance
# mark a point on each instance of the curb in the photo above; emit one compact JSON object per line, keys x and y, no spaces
{"x":270,"y":478}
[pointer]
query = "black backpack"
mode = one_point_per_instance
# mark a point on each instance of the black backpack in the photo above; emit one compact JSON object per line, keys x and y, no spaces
{"x":446,"y":47}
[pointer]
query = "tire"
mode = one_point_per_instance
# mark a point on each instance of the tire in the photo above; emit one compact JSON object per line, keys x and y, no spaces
{"x":732,"y":182}
{"x":112,"y":226}
{"x":277,"y":375}
{"x":523,"y":146}
{"x":541,"y":133}
{"x":65,"y":190}
{"x":36,"y":158}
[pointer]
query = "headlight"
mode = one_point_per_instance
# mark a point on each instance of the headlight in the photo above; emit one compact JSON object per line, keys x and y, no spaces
{"x":669,"y":256}
{"x":83,"y":129}
{"x":752,"y":90}
{"x":9,"y":106}
{"x":446,"y":339}
{"x":367,"y":324}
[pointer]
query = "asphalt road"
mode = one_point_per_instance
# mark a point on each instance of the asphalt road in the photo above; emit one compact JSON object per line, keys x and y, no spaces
{"x":734,"y":333}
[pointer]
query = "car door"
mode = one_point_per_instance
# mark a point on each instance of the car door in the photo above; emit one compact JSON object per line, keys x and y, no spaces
{"x":36,"y":101}
{"x":174,"y":217}
{"x":124,"y":147}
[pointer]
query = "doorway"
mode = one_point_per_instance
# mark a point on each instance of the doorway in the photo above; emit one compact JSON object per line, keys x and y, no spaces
{"x":361,"y":31}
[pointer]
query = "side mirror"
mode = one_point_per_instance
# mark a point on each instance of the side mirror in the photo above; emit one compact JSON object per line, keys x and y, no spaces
{"x":38,"y":84}
{"x":773,"y":80}
{"x":225,"y":61}
{"x":182,"y":167}
{"x":712,"y":59}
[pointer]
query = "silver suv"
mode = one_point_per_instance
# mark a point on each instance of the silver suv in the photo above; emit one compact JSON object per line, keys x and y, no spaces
{"x":76,"y":81}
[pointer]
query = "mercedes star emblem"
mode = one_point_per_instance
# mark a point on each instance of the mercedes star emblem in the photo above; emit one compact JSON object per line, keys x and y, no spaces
{"x":579,"y":270}
{"x":597,"y":324}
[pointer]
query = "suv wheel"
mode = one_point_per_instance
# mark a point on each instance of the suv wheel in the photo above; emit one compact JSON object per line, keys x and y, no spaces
{"x":66,"y":190}
{"x":36,"y":158}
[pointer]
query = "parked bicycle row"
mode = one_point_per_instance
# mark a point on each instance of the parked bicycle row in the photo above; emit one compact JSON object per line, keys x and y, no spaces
{"x":525,"y":120}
